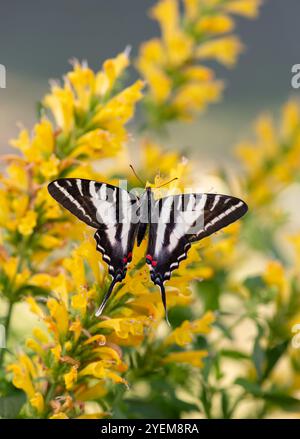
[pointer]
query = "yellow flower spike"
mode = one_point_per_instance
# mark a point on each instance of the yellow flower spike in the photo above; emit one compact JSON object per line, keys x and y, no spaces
{"x":224,"y":50}
{"x":194,"y":358}
{"x":49,"y":168}
{"x":60,"y":315}
{"x":71,"y":378}
{"x":61,"y":103}
{"x":37,"y":401}
{"x":28,"y":223}
{"x":248,"y":8}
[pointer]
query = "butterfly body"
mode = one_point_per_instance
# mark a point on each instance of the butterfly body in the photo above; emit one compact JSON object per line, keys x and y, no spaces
{"x":121,"y":218}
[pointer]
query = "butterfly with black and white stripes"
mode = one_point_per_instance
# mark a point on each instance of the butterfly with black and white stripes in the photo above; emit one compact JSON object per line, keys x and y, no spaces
{"x":121,"y":218}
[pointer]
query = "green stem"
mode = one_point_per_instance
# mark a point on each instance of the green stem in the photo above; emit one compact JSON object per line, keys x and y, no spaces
{"x":6,"y":332}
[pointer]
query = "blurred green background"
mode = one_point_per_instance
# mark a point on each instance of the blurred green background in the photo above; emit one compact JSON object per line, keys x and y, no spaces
{"x":38,"y":38}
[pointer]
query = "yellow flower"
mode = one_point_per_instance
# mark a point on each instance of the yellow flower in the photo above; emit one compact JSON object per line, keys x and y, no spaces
{"x":248,"y":8}
{"x":37,"y":401}
{"x":224,"y":50}
{"x":10,"y":267}
{"x":93,"y":392}
{"x":28,"y":223}
{"x":49,"y":168}
{"x":61,"y":103}
{"x":56,"y":351}
{"x":184,"y":333}
{"x":60,"y":315}
{"x":98,"y":370}
{"x":76,"y":328}
{"x":275,"y":276}
{"x":18,"y":176}
{"x":70,"y":378}
{"x":215,"y":24}
{"x":195,"y":358}
{"x":112,"y":69}
{"x":23,"y":374}
{"x":123,"y":327}
{"x":79,"y":302}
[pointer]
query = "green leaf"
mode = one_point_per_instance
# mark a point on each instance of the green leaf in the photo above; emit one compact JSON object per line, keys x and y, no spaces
{"x":252,"y":388}
{"x":273,"y":397}
{"x":258,"y":354}
{"x":10,"y":406}
{"x":225,"y":404}
{"x":235,"y":355}
{"x":273,"y":355}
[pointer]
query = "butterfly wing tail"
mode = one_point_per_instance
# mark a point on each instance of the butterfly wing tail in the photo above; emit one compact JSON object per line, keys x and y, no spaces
{"x":107,"y":296}
{"x":164,"y":300}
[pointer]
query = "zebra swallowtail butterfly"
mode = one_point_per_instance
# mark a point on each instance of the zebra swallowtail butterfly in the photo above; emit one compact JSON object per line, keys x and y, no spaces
{"x":120,"y":218}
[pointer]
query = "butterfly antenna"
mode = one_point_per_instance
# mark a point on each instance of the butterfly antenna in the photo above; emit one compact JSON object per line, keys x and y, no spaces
{"x":164,"y":301}
{"x":106,"y":297}
{"x":168,"y":182}
{"x":140,"y":180}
